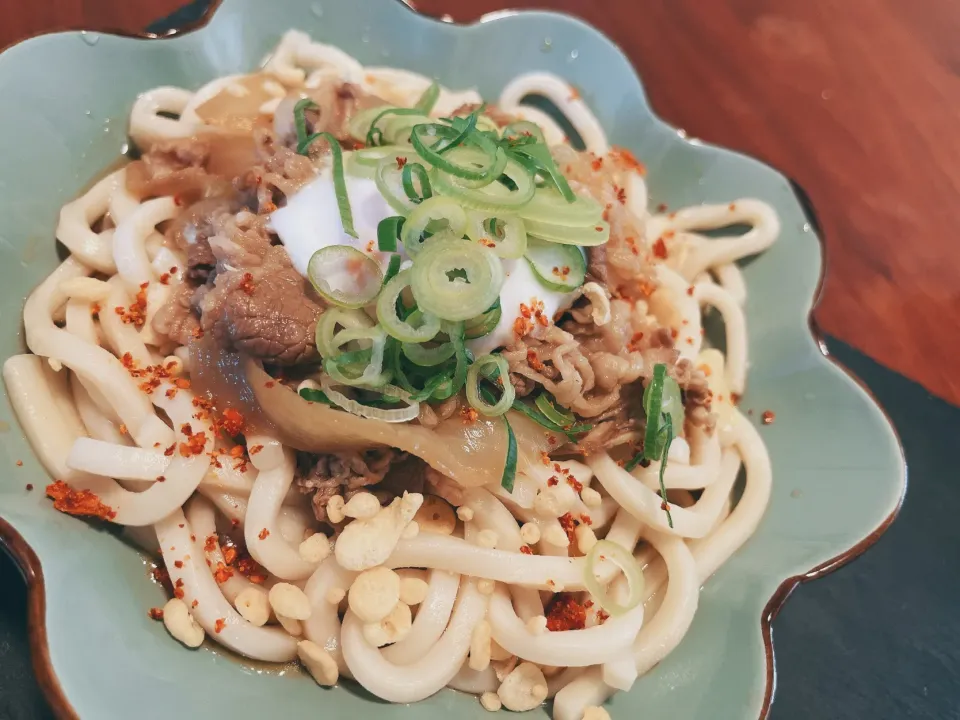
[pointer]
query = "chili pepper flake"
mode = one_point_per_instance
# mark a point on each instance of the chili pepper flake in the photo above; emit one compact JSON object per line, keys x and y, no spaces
{"x":545,"y":458}
{"x":565,"y":613}
{"x":264,"y":534}
{"x":401,"y":161}
{"x":178,"y":589}
{"x":602,"y":616}
{"x":662,"y":207}
{"x":250,"y":569}
{"x":232,"y":421}
{"x":247,"y":284}
{"x":29,"y":487}
{"x":553,"y":481}
{"x":621,"y":194}
{"x":768,"y":417}
{"x":269,"y":384}
{"x":660,"y":249}
{"x":468,"y":415}
{"x":165,"y":279}
{"x":569,"y":525}
{"x":219,"y":625}
{"x":255,"y":449}
{"x":222,"y":573}
{"x":194,"y":603}
{"x":229,"y":554}
{"x":596,"y":163}
{"x":210,"y":544}
{"x":178,"y":564}
{"x":78,"y":502}
{"x":628,"y":160}
{"x":162,"y":577}
{"x":19,"y":463}
{"x":155,"y":613}
{"x":533,"y":361}
{"x":95,"y":308}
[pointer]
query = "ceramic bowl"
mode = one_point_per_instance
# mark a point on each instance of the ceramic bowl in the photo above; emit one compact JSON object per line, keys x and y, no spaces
{"x":839,"y":474}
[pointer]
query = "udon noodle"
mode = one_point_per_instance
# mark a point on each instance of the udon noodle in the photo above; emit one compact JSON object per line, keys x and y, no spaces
{"x":358,"y":499}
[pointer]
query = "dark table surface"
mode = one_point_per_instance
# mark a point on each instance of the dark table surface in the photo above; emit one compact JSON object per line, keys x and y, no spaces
{"x":878,"y":640}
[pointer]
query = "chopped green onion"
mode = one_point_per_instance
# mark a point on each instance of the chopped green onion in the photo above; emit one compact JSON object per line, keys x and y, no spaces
{"x":428,"y":99}
{"x":494,"y":196}
{"x":428,"y":357}
{"x":558,"y":267}
{"x":357,"y":408}
{"x":390,"y":320}
{"x":510,"y":461}
{"x":389,"y":180}
{"x":339,"y":182}
{"x":663,"y":408}
{"x":311,"y":395}
{"x":326,"y":328}
{"x":388,"y":232}
{"x":406,"y":177}
{"x":372,"y":375}
{"x":540,"y":155}
{"x":474,"y":395}
{"x":392,"y":268}
{"x":606,"y":550}
{"x":432,"y":388}
{"x":483,"y":324}
{"x":506,"y":236}
{"x":465,"y":127}
{"x":375,"y":134}
{"x":663,"y":467}
{"x":478,"y":165}
{"x":454,"y":279}
{"x":549,"y":206}
{"x":546,"y":405}
{"x":433,"y":213}
{"x":589,"y":235}
{"x":345,"y":276}
{"x":542,"y":420}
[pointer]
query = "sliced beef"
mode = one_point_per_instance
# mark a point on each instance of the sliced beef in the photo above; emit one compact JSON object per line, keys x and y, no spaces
{"x":176,"y":167}
{"x":344,"y":474}
{"x":267,"y":312}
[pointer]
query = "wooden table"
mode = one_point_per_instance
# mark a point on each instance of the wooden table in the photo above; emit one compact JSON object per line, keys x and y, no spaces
{"x":854,"y":99}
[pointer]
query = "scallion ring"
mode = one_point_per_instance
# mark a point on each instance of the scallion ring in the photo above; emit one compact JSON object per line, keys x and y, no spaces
{"x":483,"y":324}
{"x":506,"y":235}
{"x":507,"y":391}
{"x":605,"y":550}
{"x":455,"y":279}
{"x":549,"y":206}
{"x":328,"y":323}
{"x":356,"y":408}
{"x":375,"y":134}
{"x":557,"y":267}
{"x":584,"y":236}
{"x":391,"y":322}
{"x":409,"y":187}
{"x":552,"y":412}
{"x":540,"y":155}
{"x":495,"y":196}
{"x":345,"y":276}
{"x":523,"y":132}
{"x":472,"y":166}
{"x":436,"y":212}
{"x":392,"y":268}
{"x":389,"y":180}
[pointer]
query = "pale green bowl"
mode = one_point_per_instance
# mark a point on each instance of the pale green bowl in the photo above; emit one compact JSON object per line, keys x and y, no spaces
{"x":839,"y":475}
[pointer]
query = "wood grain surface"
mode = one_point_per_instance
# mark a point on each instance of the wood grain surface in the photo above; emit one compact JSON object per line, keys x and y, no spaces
{"x":857,"y":100}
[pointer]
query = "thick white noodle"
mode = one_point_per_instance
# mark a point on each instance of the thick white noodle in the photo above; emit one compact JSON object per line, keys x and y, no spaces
{"x":588,"y":690}
{"x":201,"y":515}
{"x":98,"y":425}
{"x":323,"y":625}
{"x":121,"y":462}
{"x":730,"y":278}
{"x":129,"y":249}
{"x":474,"y":682}
{"x":567,"y":100}
{"x":273,"y":551}
{"x":148,"y":126}
{"x":92,"y":363}
{"x":260,"y":643}
{"x":433,"y":614}
{"x":567,"y":648}
{"x":443,"y":552}
{"x":701,"y":473}
{"x":675,"y":308}
{"x":644,"y":503}
{"x":77,"y":217}
{"x":765,"y":226}
{"x":431,"y":672}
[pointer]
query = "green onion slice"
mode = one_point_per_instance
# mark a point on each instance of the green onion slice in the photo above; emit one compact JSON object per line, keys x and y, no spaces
{"x":342,"y":367}
{"x":374,"y":413}
{"x":661,"y":398}
{"x":588,"y":236}
{"x":428,"y":356}
{"x":494,"y":196}
{"x":345,"y":276}
{"x":547,"y":406}
{"x":480,"y":164}
{"x":327,"y":327}
{"x":506,"y":236}
{"x":339,"y":182}
{"x":539,"y":155}
{"x":392,"y":268}
{"x":389,"y":180}
{"x":558,"y":267}
{"x":483,"y":324}
{"x":571,"y":431}
{"x":455,"y":279}
{"x":364,"y":162}
{"x":388,"y":233}
{"x":606,"y":550}
{"x":313,"y":395}
{"x":549,"y":206}
{"x":428,"y":99}
{"x":407,"y":178}
{"x":510,"y":461}
{"x":390,"y":320}
{"x":375,"y":135}
{"x":436,"y":213}
{"x":474,"y":396}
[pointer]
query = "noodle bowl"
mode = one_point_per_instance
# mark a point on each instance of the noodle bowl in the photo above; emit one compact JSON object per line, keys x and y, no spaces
{"x":405,"y":385}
